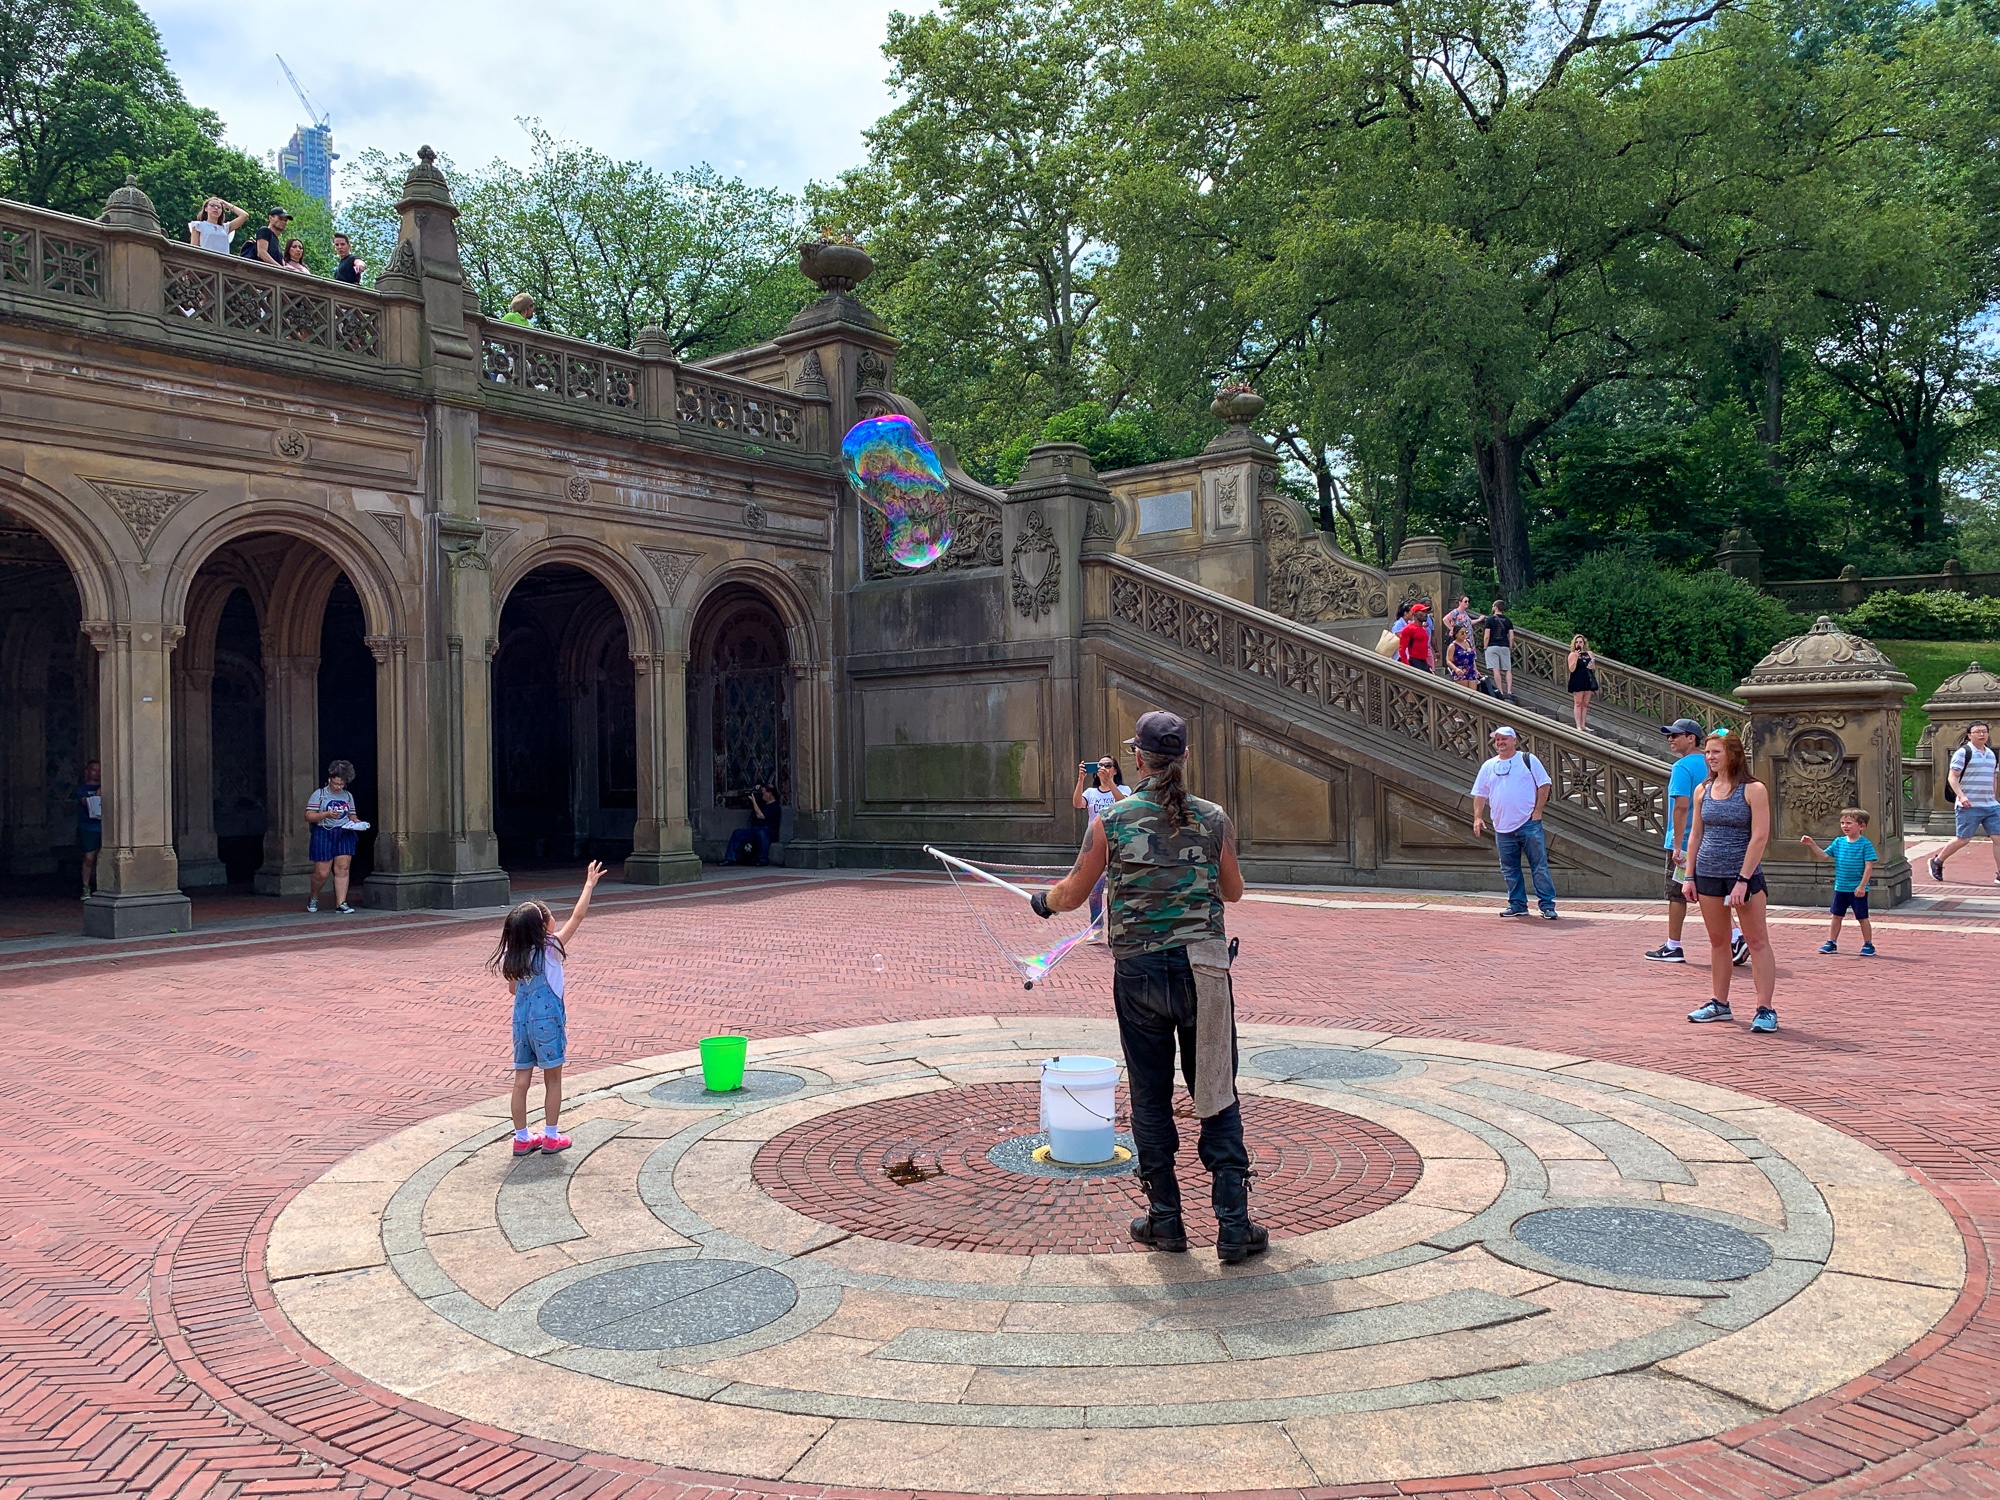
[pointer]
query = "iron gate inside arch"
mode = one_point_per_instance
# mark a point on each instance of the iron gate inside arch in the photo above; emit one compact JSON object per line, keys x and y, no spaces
{"x":741,"y":716}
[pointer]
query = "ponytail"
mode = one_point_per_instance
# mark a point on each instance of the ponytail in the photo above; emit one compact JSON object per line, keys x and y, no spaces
{"x":1169,"y":788}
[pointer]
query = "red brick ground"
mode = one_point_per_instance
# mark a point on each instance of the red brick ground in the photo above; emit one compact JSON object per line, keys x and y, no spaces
{"x":1315,"y":1169}
{"x":161,"y":1109}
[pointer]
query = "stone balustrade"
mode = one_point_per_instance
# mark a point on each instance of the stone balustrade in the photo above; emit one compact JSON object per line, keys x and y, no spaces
{"x":1646,"y":696}
{"x":230,"y":298}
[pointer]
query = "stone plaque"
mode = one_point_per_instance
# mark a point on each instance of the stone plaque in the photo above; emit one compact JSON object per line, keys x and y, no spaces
{"x":1169,"y":512}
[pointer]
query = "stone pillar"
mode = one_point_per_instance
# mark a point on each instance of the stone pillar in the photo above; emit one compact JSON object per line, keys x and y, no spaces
{"x":1826,"y":712}
{"x":1970,"y":697}
{"x":398,"y":767}
{"x":1238,"y":468}
{"x":194,"y":779}
{"x":1740,"y":555}
{"x":1852,"y":589}
{"x":662,"y":844}
{"x":1424,"y":569}
{"x":138,"y":877}
{"x":291,"y":769}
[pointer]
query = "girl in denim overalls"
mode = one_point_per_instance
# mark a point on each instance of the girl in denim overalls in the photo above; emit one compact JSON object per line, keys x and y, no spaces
{"x":530,"y":958}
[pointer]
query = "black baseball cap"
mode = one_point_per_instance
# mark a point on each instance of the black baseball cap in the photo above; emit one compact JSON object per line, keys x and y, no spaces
{"x":1682,"y":726}
{"x":277,"y":213}
{"x":1160,"y":733}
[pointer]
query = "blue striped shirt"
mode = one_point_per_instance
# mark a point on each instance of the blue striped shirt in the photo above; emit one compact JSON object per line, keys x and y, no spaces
{"x":1850,"y":858}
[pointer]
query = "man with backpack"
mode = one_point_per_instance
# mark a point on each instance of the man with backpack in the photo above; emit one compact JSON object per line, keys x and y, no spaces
{"x":1970,"y":773}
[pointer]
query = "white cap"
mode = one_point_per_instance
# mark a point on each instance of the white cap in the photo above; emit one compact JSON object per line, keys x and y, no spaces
{"x":1506,"y":729}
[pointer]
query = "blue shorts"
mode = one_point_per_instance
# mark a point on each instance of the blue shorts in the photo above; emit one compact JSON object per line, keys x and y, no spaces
{"x":1973,"y":821}
{"x":1846,"y":901}
{"x":329,"y":844}
{"x":90,"y":840}
{"x":541,"y":1028}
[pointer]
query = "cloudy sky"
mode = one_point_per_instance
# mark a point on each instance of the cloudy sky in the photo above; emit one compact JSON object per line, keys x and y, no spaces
{"x":775,"y":91}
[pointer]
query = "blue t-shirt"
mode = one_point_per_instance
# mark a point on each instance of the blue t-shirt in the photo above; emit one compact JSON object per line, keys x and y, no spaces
{"x":1690,"y":771}
{"x":90,"y":807}
{"x":1850,"y":858}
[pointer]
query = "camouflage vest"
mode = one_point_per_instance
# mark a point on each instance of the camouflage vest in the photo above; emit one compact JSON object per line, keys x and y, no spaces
{"x":1162,"y":885}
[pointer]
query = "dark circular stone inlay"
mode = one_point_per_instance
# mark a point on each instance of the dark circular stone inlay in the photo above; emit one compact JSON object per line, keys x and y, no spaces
{"x":1644,"y":1242}
{"x":1325,"y":1062}
{"x":669,"y":1304}
{"x":1017,"y":1154}
{"x":758,"y":1083}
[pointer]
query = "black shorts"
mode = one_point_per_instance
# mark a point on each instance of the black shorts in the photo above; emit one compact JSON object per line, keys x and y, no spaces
{"x":1674,"y":891}
{"x":1846,"y":901}
{"x":1721,"y":885}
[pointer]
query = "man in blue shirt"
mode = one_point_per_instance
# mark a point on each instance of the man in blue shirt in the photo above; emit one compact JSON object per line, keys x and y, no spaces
{"x":1684,"y":738}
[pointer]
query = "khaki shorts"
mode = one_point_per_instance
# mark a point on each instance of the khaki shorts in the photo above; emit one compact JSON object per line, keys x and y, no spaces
{"x":1674,"y":891}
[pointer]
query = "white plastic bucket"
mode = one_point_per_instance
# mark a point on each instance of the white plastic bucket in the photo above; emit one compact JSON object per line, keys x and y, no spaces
{"x":1080,"y":1109}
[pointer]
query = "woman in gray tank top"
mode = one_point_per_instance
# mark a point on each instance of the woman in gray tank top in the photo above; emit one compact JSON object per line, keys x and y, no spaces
{"x":1732,"y":826}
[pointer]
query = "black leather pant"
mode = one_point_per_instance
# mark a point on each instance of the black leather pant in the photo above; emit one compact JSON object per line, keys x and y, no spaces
{"x":1155,"y":999}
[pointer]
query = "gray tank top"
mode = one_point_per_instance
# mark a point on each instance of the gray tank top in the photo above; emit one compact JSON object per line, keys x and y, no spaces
{"x":1725,"y":835}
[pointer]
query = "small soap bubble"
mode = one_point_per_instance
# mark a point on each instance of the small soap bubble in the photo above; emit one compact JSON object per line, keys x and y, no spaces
{"x":877,"y":964}
{"x":897,"y":474}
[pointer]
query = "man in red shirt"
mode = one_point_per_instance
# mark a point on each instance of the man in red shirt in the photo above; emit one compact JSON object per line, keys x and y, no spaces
{"x":1413,"y":646}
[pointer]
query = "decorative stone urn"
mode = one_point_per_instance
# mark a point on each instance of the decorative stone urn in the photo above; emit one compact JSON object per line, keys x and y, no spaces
{"x":835,"y":265}
{"x":1971,"y":697}
{"x":1237,"y":404}
{"x":1826,"y":715}
{"x":1740,"y":555}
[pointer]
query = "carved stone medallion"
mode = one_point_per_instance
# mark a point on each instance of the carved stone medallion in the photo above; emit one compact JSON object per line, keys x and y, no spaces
{"x":143,"y":508}
{"x":290,"y":443}
{"x":1815,"y":780}
{"x":578,"y":488}
{"x":1035,"y":568}
{"x":755,"y":516}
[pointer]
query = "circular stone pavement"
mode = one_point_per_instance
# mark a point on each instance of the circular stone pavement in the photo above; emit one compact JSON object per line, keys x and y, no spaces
{"x":1592,"y":1259}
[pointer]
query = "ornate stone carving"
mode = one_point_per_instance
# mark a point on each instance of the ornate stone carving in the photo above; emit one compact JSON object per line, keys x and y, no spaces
{"x":144,"y":509}
{"x":290,"y":443}
{"x":1824,"y":654}
{"x":463,"y":543}
{"x":811,"y":379}
{"x":1035,"y":567}
{"x":755,"y":516}
{"x":1816,"y":780}
{"x":1101,"y":520}
{"x":1975,"y":685}
{"x":1309,"y":581}
{"x":975,"y":538}
{"x":496,"y":538}
{"x":577,"y":488}
{"x":871,"y":372}
{"x":391,"y":522}
{"x":672,"y":567}
{"x":811,"y":579}
{"x":404,"y":262}
{"x":1228,"y":503}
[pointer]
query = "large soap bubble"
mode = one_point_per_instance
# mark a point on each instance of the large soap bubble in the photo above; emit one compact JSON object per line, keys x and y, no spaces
{"x":898,"y":475}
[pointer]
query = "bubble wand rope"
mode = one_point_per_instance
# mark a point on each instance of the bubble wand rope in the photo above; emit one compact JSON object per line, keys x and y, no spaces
{"x":1031,"y":969}
{"x":1004,"y":885}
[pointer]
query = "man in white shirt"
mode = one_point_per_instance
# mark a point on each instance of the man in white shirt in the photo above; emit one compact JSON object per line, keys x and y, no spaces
{"x":1971,"y":774}
{"x":1514,"y":788}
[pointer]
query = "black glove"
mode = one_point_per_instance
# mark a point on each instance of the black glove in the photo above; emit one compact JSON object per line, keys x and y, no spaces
{"x":1039,"y":903}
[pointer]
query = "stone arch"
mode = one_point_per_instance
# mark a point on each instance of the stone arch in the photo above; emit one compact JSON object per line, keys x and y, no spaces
{"x":779,"y":588}
{"x":90,"y":555}
{"x":603,"y":564}
{"x":352,"y":552}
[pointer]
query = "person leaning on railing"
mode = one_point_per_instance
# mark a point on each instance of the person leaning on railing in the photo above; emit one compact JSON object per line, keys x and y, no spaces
{"x":520,"y":310}
{"x":212,"y":230}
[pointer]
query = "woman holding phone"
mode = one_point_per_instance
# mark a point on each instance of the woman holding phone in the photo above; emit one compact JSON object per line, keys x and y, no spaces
{"x":1099,"y":784}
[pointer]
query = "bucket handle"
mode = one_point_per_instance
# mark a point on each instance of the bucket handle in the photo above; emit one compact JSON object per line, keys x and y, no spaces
{"x":1110,"y":1119}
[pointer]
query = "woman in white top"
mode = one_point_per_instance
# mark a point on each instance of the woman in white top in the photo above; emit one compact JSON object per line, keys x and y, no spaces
{"x":212,"y":230}
{"x":1098,"y":785}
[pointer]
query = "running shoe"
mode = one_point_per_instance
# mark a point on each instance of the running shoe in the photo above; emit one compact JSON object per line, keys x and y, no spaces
{"x":313,"y":905}
{"x":344,"y":907}
{"x":1937,"y":869}
{"x":1830,"y":946}
{"x":1867,"y":950}
{"x":528,"y":1147}
{"x":1665,"y":955}
{"x":553,"y":1141}
{"x":1739,"y":950}
{"x":1766,"y":1019}
{"x":1548,"y":916}
{"x":1515,"y":911}
{"x":1715,"y":1010}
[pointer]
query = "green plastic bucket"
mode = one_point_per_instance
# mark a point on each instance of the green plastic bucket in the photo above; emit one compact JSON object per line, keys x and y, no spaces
{"x":722,"y":1059}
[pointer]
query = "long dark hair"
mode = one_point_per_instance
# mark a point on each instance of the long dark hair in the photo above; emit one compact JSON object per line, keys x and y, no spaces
{"x":1169,"y":789}
{"x":1117,"y":771}
{"x":528,"y":931}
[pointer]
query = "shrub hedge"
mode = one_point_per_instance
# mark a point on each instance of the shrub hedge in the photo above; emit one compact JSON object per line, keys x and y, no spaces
{"x":1934,"y":615}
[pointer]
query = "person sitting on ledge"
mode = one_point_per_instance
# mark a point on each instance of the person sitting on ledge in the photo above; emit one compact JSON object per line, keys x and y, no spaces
{"x":761,"y":829}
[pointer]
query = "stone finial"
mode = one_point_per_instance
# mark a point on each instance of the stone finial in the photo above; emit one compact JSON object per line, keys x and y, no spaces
{"x":1740,"y":555}
{"x":1239,"y":406}
{"x":128,"y":207}
{"x":1975,"y":687}
{"x":1825,"y":653}
{"x":835,"y":265}
{"x":426,"y":185}
{"x":653,"y":342}
{"x":1058,"y":461}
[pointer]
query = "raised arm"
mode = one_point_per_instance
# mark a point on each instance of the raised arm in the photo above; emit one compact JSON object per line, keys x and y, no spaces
{"x":590,"y":878}
{"x":242,"y":217}
{"x":1083,"y":774}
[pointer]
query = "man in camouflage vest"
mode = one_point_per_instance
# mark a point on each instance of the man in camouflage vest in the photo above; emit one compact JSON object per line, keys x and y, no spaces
{"x":1169,"y":861}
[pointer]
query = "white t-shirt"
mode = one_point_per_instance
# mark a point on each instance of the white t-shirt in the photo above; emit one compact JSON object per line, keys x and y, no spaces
{"x":1975,"y":774}
{"x":552,"y":970}
{"x":1509,"y":784}
{"x":1097,"y":799}
{"x":211,"y":236}
{"x":340,"y":804}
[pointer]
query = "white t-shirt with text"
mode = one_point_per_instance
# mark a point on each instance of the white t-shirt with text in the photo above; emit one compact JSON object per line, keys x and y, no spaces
{"x":1097,"y":799}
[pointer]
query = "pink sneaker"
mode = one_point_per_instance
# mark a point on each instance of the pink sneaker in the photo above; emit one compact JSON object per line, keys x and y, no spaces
{"x":554,"y":1141}
{"x":528,"y":1147}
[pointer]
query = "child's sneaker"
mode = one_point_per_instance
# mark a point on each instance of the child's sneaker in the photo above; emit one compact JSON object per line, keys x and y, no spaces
{"x":1766,"y":1019}
{"x":528,"y":1147}
{"x":313,"y":905}
{"x":556,"y":1141}
{"x":1715,"y":1010}
{"x":1829,"y":946}
{"x":1867,"y":950}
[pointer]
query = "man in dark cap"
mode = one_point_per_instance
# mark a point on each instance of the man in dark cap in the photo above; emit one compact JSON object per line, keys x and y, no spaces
{"x":267,"y":245}
{"x":1169,"y":862}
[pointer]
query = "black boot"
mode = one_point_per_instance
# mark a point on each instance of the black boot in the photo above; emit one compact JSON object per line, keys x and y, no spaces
{"x":1160,"y":1228}
{"x":1237,"y":1238}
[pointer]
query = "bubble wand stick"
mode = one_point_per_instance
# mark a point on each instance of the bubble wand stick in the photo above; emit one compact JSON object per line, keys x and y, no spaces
{"x":975,"y":870}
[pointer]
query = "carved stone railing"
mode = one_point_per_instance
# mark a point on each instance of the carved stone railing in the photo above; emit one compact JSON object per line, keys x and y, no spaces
{"x":568,"y":372}
{"x":1648,"y":698}
{"x":1249,"y":651}
{"x":52,"y":256}
{"x":234,"y":298}
{"x":706,"y":402}
{"x":1919,"y":791}
{"x":1311,"y":581}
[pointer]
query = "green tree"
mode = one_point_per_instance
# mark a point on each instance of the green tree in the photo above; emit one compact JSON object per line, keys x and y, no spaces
{"x":608,"y":247}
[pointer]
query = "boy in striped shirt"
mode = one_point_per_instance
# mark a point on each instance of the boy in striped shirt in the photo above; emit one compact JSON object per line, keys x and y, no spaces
{"x":1853,"y":859}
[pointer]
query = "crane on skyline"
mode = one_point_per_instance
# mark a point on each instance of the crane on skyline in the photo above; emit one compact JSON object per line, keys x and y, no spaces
{"x":320,"y":121}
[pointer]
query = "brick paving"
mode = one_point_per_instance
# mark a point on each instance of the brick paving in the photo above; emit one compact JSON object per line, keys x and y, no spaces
{"x":164,"y":1105}
{"x":1315,"y":1169}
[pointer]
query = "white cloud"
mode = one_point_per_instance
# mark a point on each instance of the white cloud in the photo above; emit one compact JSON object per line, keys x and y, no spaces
{"x":777,"y":92}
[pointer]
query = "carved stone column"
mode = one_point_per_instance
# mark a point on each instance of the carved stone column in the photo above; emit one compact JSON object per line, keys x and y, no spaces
{"x":1424,"y":569}
{"x":1826,"y":711}
{"x":138,"y":877}
{"x":194,"y":781}
{"x":397,"y":761}
{"x":1970,"y":697}
{"x":292,"y":770}
{"x":662,"y":845}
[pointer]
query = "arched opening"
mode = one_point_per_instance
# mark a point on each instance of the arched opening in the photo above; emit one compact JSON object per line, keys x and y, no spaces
{"x":739,"y":715}
{"x":273,"y":680}
{"x":48,"y":733}
{"x":565,"y":726}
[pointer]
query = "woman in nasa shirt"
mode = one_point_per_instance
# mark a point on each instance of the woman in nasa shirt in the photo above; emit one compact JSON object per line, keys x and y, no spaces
{"x":335,"y":832}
